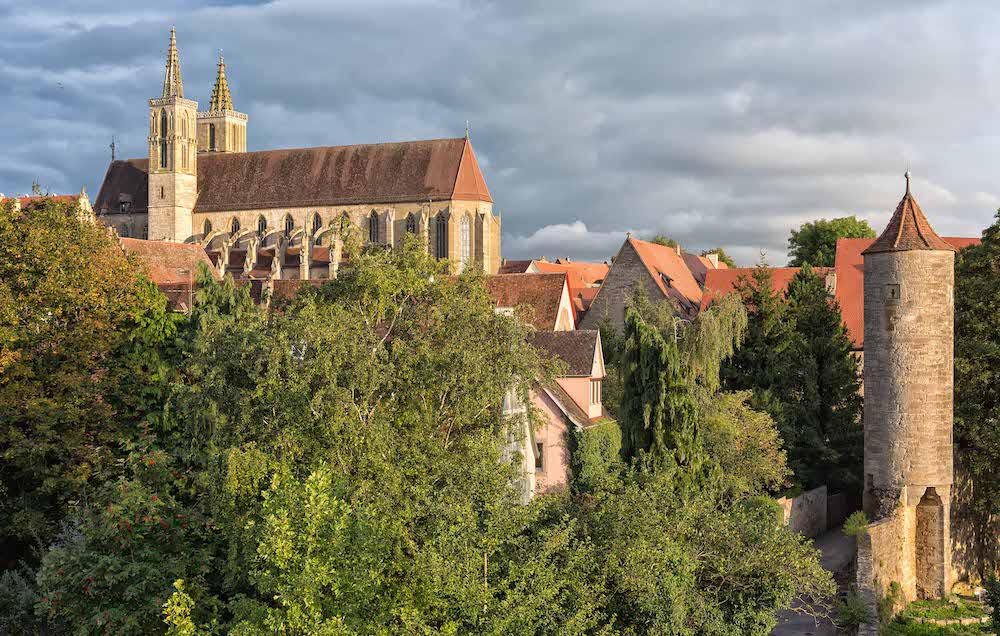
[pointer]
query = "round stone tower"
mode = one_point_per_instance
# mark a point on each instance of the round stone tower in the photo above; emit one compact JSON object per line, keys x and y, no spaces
{"x":909,"y":371}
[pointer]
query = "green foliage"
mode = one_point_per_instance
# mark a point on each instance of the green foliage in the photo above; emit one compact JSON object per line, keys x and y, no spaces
{"x":977,"y":385}
{"x":661,"y":239}
{"x":815,"y":242}
{"x":992,"y":586}
{"x":18,"y":597}
{"x":723,"y":257}
{"x":853,"y":610}
{"x":951,"y":607}
{"x":596,"y":457}
{"x":856,"y":525}
{"x":910,"y":628}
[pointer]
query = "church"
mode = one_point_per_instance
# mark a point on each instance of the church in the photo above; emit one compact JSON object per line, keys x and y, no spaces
{"x":278,"y":214}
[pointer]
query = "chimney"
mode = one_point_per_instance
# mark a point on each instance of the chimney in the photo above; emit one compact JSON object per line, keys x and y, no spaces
{"x":713,"y":258}
{"x":677,"y":249}
{"x":831,"y":282}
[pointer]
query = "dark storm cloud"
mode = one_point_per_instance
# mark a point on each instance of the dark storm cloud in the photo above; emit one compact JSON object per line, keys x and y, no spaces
{"x":717,"y":123}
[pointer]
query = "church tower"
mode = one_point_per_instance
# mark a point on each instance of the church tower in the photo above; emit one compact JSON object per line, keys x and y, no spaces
{"x":221,"y":128}
{"x":909,"y":391}
{"x":173,"y":168}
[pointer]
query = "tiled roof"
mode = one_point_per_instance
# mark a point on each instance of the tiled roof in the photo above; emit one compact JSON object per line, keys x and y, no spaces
{"x":129,"y":178}
{"x":575,"y":348}
{"x":566,"y":404}
{"x":168,"y":262}
{"x":719,"y":282}
{"x":61,"y":198}
{"x":513,"y":267}
{"x":590,"y":273}
{"x":908,"y":229}
{"x":850,"y":293}
{"x":439,"y":169}
{"x":664,"y":263}
{"x":288,"y":289}
{"x":541,"y":292}
{"x":700,"y":265}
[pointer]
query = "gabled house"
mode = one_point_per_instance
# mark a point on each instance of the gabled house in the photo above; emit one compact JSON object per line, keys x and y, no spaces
{"x":546,"y":295}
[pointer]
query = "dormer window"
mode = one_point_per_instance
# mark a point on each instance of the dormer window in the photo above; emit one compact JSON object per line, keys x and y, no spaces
{"x":124,"y":206}
{"x":595,"y":391}
{"x":667,"y":281}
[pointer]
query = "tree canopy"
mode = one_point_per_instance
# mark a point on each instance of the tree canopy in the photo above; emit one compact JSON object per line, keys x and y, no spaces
{"x":815,"y":242}
{"x":723,"y":257}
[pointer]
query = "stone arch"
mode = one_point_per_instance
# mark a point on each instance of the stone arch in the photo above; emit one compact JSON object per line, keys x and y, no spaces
{"x":930,"y":545}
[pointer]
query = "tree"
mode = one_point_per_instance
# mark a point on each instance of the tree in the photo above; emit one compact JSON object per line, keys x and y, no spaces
{"x":815,"y":242}
{"x":79,"y":331}
{"x":661,"y":239}
{"x":723,"y":257}
{"x":837,"y":460}
{"x":977,"y":407}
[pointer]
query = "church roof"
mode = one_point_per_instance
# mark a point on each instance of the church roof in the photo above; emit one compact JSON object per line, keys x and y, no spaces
{"x":437,"y":170}
{"x":908,"y":230}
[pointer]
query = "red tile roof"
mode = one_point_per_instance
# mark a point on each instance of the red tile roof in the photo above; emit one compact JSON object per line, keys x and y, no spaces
{"x":576,"y":349}
{"x":591,"y":273}
{"x":700,"y":265}
{"x":850,"y":293}
{"x":168,"y":262}
{"x":908,"y":229}
{"x":663,"y":261}
{"x":438,"y":169}
{"x":61,"y":198}
{"x":513,"y":267}
{"x":541,"y":292}
{"x":719,"y":282}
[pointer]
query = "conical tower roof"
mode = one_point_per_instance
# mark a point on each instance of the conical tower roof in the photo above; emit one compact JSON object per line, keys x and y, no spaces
{"x":172,"y":86}
{"x":221,"y":98}
{"x":908,"y":230}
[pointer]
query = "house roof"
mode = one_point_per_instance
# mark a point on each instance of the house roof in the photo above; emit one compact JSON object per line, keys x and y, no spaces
{"x":590,"y":273}
{"x":60,"y":198}
{"x":437,"y":169}
{"x":664,"y":264}
{"x":576,"y":349}
{"x":850,"y":293}
{"x":908,"y":230}
{"x":719,"y":282}
{"x":700,"y":265}
{"x":567,"y":404}
{"x":168,"y":262}
{"x":542,"y":292}
{"x":514,"y":267}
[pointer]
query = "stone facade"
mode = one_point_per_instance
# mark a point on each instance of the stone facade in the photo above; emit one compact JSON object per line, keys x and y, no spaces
{"x":909,"y":370}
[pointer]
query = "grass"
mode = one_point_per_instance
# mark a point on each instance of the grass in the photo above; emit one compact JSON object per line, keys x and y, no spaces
{"x":955,"y":607}
{"x":903,"y":627}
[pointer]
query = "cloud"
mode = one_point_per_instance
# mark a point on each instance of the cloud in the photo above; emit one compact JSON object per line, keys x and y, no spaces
{"x":720,"y":124}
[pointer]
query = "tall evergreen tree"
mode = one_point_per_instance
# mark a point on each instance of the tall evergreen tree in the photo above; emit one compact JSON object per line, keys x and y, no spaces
{"x":838,"y":449}
{"x":658,"y":413}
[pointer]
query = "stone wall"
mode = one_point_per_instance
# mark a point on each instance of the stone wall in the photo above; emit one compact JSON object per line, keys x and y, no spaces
{"x":807,"y":513}
{"x":881,"y":554}
{"x":627,"y":271}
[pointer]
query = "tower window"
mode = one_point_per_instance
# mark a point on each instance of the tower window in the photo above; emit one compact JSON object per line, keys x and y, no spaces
{"x":261,"y":227}
{"x":441,"y":227}
{"x":211,"y":136}
{"x":163,"y":194}
{"x":411,"y":224}
{"x":316,"y":226}
{"x":892,"y":293}
{"x":234,"y":226}
{"x":373,"y":227}
{"x":163,"y":138}
{"x":208,"y":227}
{"x":289,"y":226}
{"x":465,"y":248}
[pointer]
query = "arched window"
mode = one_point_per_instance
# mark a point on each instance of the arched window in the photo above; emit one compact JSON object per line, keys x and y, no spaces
{"x":289,"y":226}
{"x":234,"y":226}
{"x":442,"y":237}
{"x":211,"y":136}
{"x":373,"y":227}
{"x":411,"y":224}
{"x":465,"y":248}
{"x":316,"y":226}
{"x":163,"y":138}
{"x":261,"y":227}
{"x":208,"y":228}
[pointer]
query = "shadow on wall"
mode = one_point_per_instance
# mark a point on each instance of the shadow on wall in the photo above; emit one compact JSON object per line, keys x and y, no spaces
{"x":975,"y":537}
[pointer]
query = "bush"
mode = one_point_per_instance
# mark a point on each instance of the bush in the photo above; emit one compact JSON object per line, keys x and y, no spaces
{"x":909,"y":628}
{"x":856,"y":525}
{"x":949,"y":608}
{"x":853,"y":611}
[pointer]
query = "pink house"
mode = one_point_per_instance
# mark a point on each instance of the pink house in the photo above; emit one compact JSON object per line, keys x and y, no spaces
{"x":572,"y":400}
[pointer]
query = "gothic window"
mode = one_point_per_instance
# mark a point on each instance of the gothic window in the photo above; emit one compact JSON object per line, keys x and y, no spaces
{"x":441,"y":227}
{"x":316,"y":226}
{"x":234,"y":226}
{"x":261,"y":227}
{"x":184,"y":156}
{"x":208,"y":228}
{"x":211,"y":136}
{"x":163,"y":138}
{"x":411,"y":224}
{"x":289,"y":226}
{"x":465,"y":237}
{"x":373,"y":227}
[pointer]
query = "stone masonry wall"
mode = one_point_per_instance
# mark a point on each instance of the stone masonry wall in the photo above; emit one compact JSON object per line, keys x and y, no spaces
{"x":807,"y":513}
{"x":880,"y":559}
{"x":626,"y":272}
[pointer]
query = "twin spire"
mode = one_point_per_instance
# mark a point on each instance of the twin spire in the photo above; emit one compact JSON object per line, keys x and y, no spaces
{"x":222,"y":99}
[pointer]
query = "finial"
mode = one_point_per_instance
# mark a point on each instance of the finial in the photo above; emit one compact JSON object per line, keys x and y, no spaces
{"x":222,"y":99}
{"x":907,"y":176}
{"x":113,"y":147}
{"x":172,"y":86}
{"x":628,"y":234}
{"x":466,"y":128}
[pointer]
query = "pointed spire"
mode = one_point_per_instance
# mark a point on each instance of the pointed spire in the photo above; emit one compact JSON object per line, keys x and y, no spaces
{"x":221,"y":98}
{"x":908,"y":229}
{"x":172,"y":86}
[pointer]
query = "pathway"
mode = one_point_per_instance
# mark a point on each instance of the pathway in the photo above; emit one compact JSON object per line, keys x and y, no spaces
{"x":837,"y":552}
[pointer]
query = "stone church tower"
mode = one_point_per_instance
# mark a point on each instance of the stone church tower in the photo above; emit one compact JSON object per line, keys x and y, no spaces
{"x":221,"y":128}
{"x":909,"y":361}
{"x":173,"y":167}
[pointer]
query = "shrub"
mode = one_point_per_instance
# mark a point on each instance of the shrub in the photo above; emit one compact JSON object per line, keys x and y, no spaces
{"x":856,"y":525}
{"x":853,"y":611}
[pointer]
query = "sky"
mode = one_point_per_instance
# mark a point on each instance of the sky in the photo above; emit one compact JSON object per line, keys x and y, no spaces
{"x":719,"y":124}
